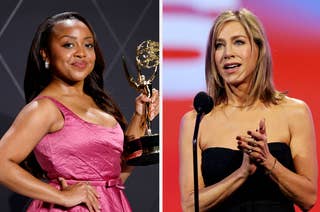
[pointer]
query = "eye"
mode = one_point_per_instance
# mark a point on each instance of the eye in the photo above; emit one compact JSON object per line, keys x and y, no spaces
{"x":68,"y":45}
{"x":239,"y":42}
{"x":218,"y":45}
{"x":89,"y":45}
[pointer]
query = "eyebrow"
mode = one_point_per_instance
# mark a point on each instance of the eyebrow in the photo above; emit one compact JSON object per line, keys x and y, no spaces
{"x":73,"y":37}
{"x":233,"y":37}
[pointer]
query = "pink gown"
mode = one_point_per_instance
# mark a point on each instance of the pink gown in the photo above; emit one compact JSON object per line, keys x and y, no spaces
{"x":83,"y":151}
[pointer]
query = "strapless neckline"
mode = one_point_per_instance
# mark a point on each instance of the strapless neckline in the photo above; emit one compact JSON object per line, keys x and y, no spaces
{"x":217,"y":163}
{"x":273,"y":143}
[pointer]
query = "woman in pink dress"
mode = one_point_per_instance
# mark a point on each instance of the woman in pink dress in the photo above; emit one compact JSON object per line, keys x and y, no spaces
{"x":70,"y":125}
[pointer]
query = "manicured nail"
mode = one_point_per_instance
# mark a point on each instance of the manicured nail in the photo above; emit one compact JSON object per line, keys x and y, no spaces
{"x":249,"y":132}
{"x":238,"y":138}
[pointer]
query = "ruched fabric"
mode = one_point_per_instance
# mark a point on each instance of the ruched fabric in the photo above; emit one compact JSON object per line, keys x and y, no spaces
{"x":83,"y":152}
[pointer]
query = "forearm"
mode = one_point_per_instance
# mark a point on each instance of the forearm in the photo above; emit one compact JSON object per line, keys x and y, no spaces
{"x":125,"y":171}
{"x":22,"y":182}
{"x":298,"y":188}
{"x":212,"y":195}
{"x":136,"y":127}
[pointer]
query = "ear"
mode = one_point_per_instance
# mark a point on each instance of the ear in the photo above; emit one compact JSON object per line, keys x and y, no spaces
{"x":44,"y":54}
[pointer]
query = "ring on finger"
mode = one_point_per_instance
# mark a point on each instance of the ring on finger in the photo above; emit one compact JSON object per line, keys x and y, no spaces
{"x":249,"y":151}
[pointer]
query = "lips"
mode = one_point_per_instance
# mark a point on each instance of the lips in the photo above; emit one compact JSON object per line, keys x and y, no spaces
{"x":231,"y":67}
{"x":80,"y":64}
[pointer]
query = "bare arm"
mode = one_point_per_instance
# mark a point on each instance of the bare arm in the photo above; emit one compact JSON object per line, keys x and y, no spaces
{"x":137,"y":125}
{"x":32,"y":123}
{"x":301,"y":186}
{"x":211,"y":195}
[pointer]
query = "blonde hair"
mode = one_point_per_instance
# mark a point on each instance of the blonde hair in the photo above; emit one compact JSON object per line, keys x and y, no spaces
{"x":261,"y":86}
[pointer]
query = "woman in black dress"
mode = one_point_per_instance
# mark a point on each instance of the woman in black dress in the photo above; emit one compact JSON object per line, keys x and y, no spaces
{"x":256,"y":148}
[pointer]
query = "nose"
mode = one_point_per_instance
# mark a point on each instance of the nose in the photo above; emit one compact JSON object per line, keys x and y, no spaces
{"x":228,"y":51}
{"x":80,"y":52}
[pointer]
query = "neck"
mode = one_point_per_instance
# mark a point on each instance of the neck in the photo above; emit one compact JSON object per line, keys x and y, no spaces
{"x":238,"y":96}
{"x":64,"y":88}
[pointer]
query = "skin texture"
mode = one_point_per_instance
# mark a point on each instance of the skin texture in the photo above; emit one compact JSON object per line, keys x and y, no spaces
{"x":233,"y":47}
{"x":249,"y":128}
{"x":71,"y":58}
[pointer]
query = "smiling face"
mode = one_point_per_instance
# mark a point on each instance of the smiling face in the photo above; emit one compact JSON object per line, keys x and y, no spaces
{"x":71,"y":53}
{"x":234,"y":55}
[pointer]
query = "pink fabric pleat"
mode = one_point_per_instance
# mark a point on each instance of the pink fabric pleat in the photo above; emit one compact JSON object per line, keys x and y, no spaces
{"x":83,"y":152}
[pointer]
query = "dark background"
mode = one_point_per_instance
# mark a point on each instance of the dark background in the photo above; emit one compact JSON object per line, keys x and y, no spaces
{"x":120,"y":26}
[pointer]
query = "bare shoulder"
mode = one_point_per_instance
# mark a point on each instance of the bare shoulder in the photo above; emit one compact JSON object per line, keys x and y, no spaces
{"x":189,"y":116}
{"x":41,"y":106}
{"x":187,"y":125}
{"x":41,"y":111}
{"x":295,"y":108}
{"x":294,"y":105}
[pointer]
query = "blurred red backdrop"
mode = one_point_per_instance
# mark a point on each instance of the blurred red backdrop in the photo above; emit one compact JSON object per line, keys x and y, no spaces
{"x":293,"y":30}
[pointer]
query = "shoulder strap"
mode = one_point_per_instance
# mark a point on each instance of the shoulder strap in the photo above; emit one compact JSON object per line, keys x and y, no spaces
{"x":64,"y":110}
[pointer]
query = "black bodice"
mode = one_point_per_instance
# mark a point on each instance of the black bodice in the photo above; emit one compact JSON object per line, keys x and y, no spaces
{"x":259,"y":193}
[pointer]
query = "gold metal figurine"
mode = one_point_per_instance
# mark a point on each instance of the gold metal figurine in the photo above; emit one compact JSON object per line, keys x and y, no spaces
{"x":144,"y":150}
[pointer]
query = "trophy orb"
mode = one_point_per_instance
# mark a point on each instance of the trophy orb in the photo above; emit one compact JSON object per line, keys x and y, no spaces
{"x":147,"y":54}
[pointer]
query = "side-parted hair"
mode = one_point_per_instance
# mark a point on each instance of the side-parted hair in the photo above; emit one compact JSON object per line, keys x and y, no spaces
{"x":37,"y":77}
{"x":261,"y":86}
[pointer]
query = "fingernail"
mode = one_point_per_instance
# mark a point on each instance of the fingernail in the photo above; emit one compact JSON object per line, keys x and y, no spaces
{"x":249,"y":132}
{"x":238,"y":138}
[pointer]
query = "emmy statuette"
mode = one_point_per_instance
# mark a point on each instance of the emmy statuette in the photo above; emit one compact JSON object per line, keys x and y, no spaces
{"x":144,"y":150}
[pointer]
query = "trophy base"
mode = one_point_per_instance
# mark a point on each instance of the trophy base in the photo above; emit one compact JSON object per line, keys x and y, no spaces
{"x":143,"y":151}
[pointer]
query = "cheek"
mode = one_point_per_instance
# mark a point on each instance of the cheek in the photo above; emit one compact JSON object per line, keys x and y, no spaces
{"x":250,"y":59}
{"x":61,"y":56}
{"x":217,"y":57}
{"x":250,"y":54}
{"x":92,"y":56}
{"x":247,"y":54}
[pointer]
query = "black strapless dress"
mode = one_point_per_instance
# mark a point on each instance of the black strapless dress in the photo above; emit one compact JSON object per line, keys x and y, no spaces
{"x":259,"y":193}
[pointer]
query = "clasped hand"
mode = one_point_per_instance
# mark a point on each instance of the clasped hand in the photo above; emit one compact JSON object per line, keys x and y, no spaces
{"x":255,"y":145}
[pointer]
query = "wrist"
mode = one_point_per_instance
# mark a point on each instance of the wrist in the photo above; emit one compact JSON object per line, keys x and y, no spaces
{"x":270,"y":166}
{"x":243,"y":173}
{"x":140,"y":118}
{"x":137,"y":114}
{"x":62,"y":199}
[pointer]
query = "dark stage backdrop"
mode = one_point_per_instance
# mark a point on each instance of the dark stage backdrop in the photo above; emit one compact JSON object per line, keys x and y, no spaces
{"x":120,"y":26}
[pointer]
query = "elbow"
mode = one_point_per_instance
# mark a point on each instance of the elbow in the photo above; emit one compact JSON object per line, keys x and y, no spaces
{"x":5,"y":169}
{"x":187,"y":205}
{"x":2,"y":170}
{"x":309,"y":202}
